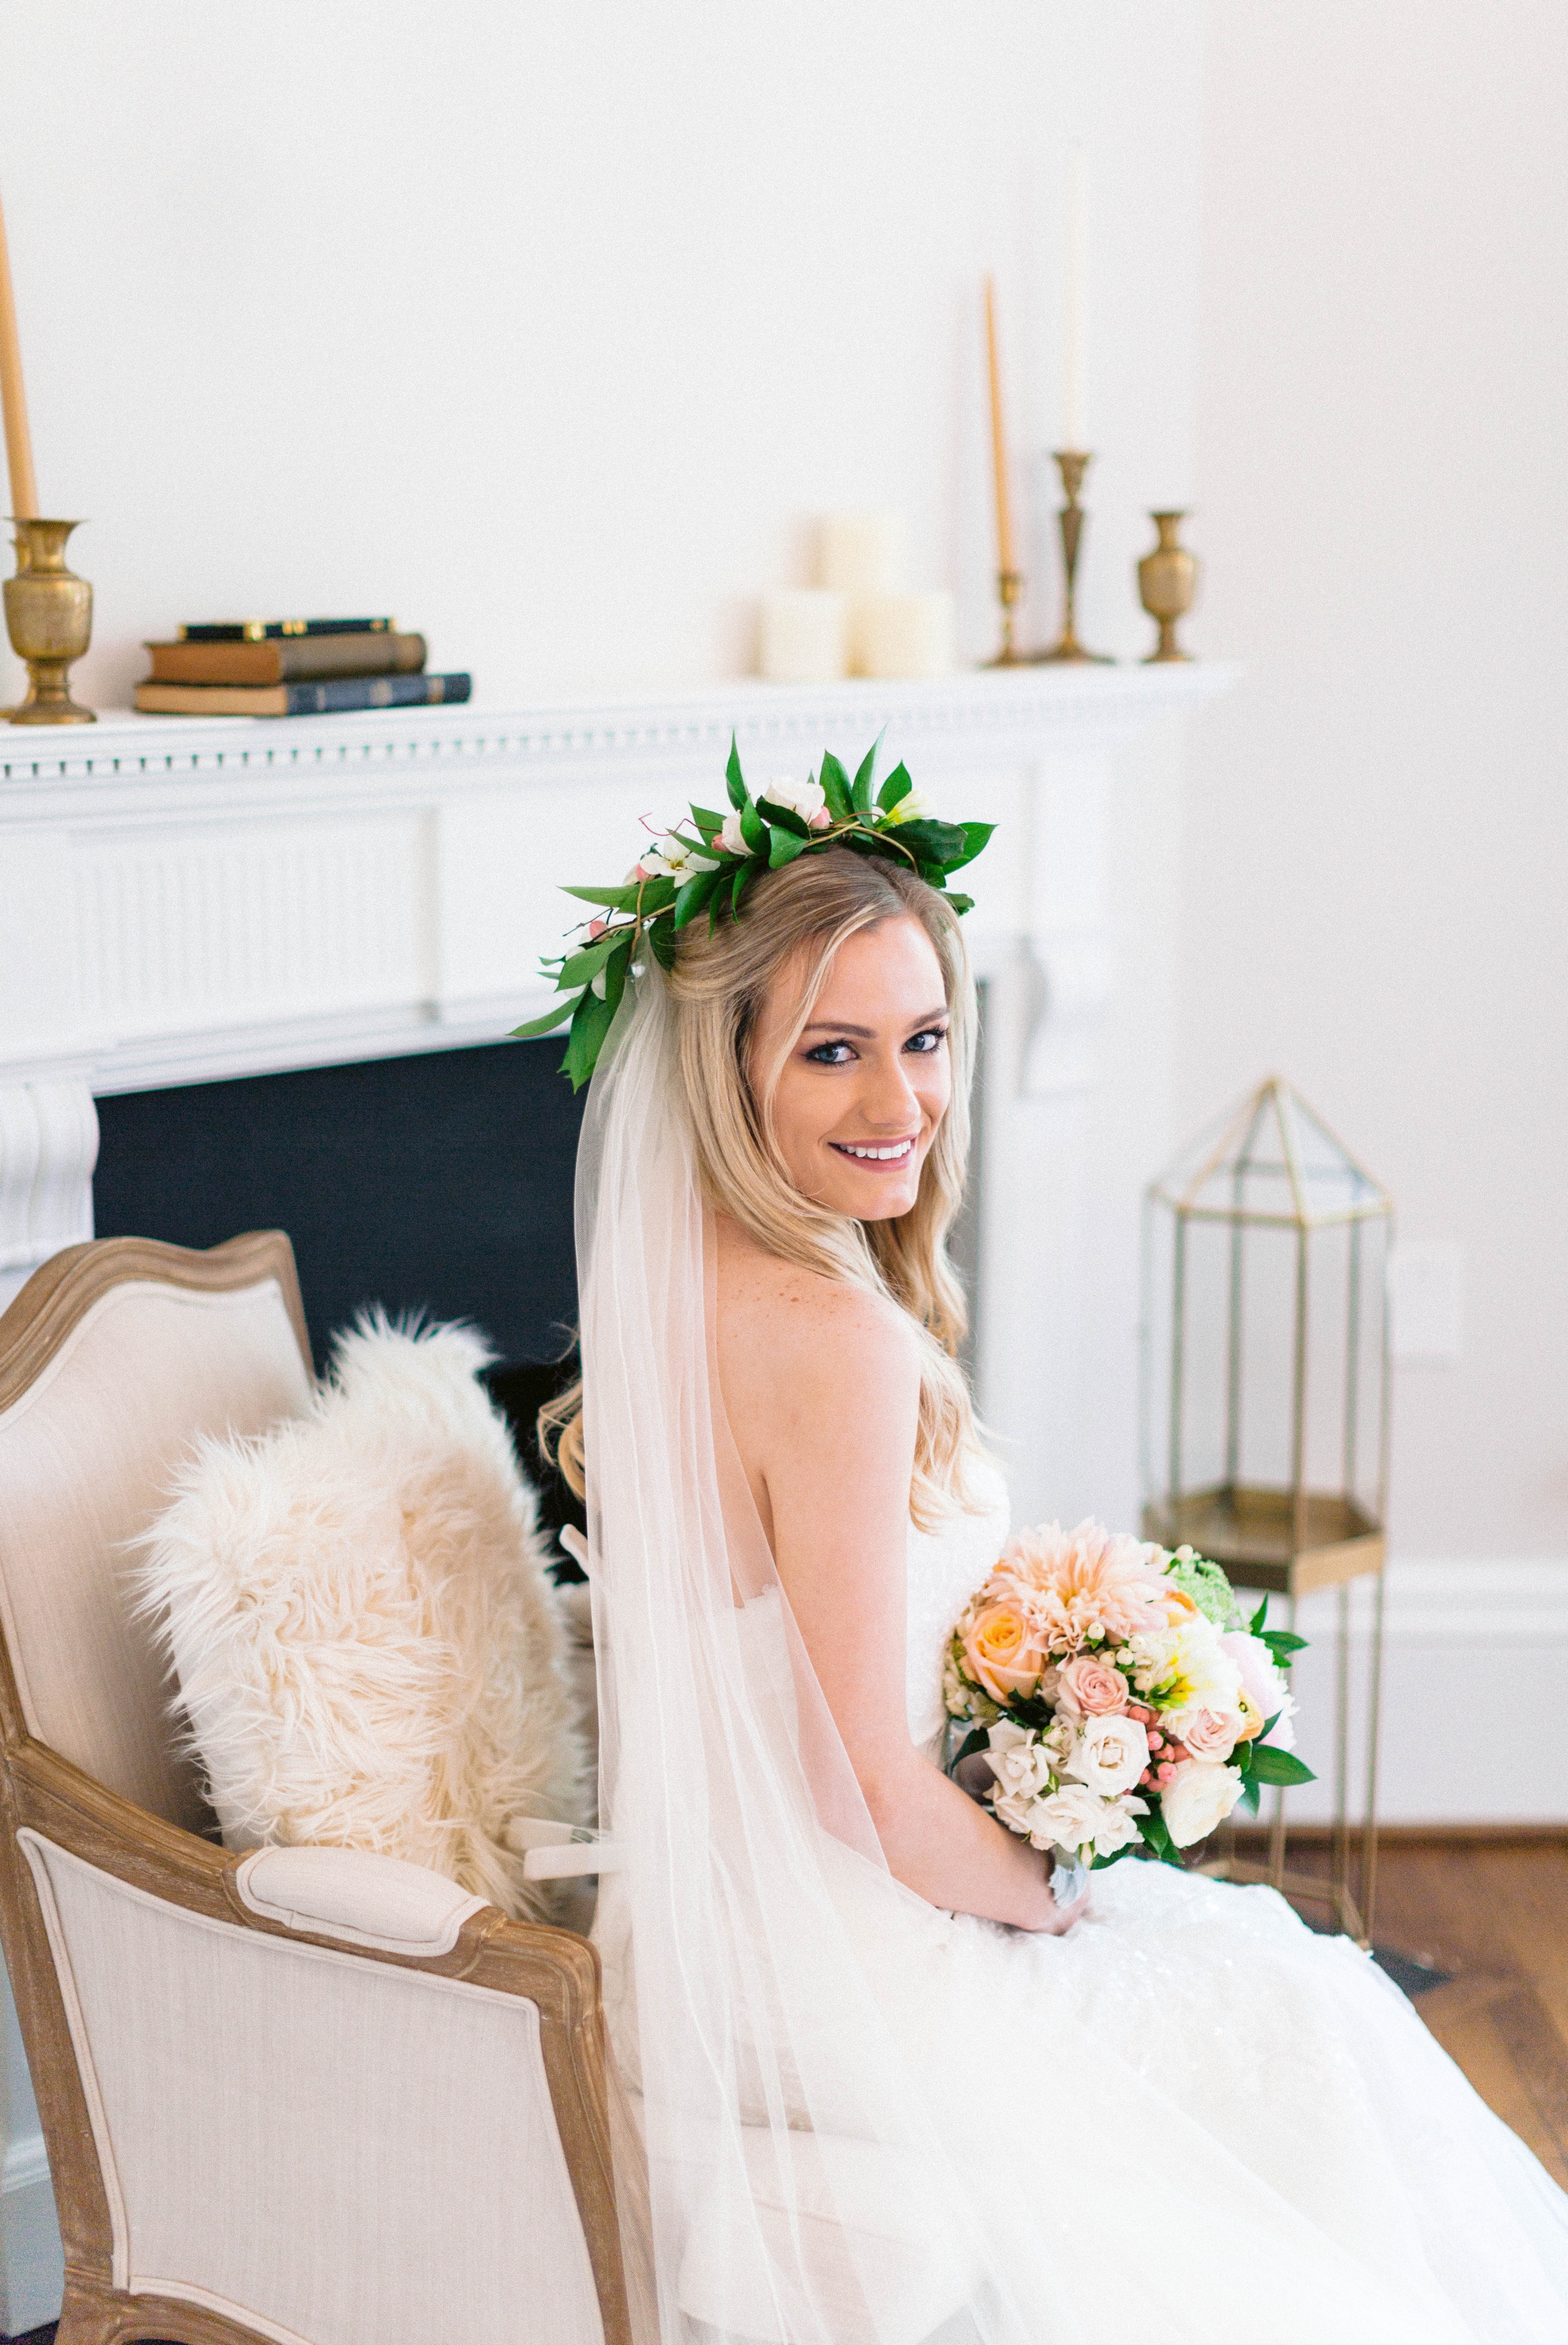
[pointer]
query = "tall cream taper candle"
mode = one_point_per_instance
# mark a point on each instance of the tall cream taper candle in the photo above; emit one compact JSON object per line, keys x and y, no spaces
{"x":14,"y":398}
{"x":1005,"y":562}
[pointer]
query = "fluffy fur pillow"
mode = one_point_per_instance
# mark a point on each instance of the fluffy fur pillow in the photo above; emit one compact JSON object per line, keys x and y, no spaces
{"x":369,"y":1650}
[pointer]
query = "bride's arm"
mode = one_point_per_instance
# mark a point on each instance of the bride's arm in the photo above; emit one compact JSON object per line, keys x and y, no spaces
{"x":836,"y":1454}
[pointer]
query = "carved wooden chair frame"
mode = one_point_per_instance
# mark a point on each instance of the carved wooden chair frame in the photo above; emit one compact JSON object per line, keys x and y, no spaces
{"x":554,"y":1969}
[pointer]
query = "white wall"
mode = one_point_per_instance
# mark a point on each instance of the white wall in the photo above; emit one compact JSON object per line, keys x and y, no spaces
{"x":547,"y":328}
{"x":1376,"y":846}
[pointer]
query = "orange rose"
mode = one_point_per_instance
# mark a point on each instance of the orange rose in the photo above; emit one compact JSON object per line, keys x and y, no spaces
{"x":1000,"y":1653}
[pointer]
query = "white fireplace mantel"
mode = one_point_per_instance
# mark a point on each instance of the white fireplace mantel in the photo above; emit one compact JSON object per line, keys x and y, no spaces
{"x":186,"y":902}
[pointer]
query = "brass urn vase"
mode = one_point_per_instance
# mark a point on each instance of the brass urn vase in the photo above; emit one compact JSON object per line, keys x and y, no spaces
{"x":1168,"y":580}
{"x":49,"y":619}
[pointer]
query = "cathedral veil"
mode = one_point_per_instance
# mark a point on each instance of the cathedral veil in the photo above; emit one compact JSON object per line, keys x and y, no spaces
{"x":798,"y":2194}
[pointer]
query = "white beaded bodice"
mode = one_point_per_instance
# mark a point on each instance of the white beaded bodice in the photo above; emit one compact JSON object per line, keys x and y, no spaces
{"x":945,"y":1567}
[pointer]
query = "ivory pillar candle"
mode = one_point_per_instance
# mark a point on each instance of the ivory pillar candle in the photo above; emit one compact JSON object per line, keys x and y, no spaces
{"x":863,"y":553}
{"x":1073,"y":309}
{"x":804,"y":635}
{"x":904,"y":635}
{"x":14,"y":398}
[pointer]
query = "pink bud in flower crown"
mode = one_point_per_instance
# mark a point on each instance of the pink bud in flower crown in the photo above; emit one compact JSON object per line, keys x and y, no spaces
{"x":821,"y":820}
{"x":596,"y":928}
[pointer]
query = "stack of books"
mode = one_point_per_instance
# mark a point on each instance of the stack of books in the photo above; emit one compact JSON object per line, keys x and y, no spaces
{"x":291,"y":667}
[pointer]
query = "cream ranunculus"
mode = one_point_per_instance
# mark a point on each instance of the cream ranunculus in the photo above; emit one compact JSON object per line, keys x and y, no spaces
{"x":1198,"y":1797}
{"x":1108,"y":1755}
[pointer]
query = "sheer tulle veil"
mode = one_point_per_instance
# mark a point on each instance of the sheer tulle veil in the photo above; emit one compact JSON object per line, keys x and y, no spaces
{"x":799,"y":2187}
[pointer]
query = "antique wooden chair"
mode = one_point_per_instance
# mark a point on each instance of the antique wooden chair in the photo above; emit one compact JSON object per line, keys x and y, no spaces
{"x":313,"y":2096}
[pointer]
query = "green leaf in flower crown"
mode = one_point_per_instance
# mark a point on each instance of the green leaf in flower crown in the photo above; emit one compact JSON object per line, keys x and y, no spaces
{"x":753,"y":830}
{"x":896,"y":789}
{"x":836,"y":787}
{"x":932,"y":874}
{"x":961,"y":903}
{"x":591,"y":1022}
{"x":976,"y":836}
{"x":550,"y":1020}
{"x":865,"y":779}
{"x":689,"y":902}
{"x":655,"y":894}
{"x":735,"y":780}
{"x":1271,"y":1766}
{"x":783,"y":818}
{"x":784,"y":847}
{"x":935,"y":842}
{"x":747,"y":871}
{"x":616,"y":970}
{"x":581,"y":965}
{"x":709,"y":823}
{"x":660,"y":935}
{"x":619,"y":899}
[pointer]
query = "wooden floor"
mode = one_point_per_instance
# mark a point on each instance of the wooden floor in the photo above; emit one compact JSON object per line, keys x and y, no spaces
{"x":1493,"y":1914}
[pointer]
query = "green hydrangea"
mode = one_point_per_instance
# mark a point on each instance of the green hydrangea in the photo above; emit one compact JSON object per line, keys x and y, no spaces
{"x":1206,"y":1584}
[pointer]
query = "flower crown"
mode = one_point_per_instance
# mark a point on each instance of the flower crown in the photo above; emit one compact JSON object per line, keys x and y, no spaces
{"x":680,"y":876}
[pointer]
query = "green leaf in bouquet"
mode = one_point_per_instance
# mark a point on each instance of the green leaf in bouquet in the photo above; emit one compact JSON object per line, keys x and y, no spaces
{"x":977,"y":1738}
{"x":1280,"y":1642}
{"x":545,"y":1025}
{"x":1255,"y":1626}
{"x":1271,"y":1766}
{"x":1248,"y":1799}
{"x":734,"y":780}
{"x":836,"y":790}
{"x":1157,"y":1838}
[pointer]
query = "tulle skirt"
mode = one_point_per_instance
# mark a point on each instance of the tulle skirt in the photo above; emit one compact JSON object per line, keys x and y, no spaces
{"x":1226,"y":2126}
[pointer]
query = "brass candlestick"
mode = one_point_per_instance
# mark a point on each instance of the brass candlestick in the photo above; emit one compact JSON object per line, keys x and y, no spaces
{"x":49,"y":619}
{"x":1010,"y":592}
{"x":1072,"y":463}
{"x":1168,"y":580}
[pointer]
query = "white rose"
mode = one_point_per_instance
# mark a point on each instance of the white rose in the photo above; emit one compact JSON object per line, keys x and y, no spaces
{"x":1023,"y":1772}
{"x":673,"y":858}
{"x":1199,"y":1796}
{"x":1118,"y":1824}
{"x":1109,"y":1754}
{"x":732,"y":838}
{"x":808,"y":799}
{"x":1072,"y":1817}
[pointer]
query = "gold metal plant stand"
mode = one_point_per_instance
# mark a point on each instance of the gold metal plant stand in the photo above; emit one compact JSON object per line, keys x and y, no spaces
{"x":1276,"y":1352}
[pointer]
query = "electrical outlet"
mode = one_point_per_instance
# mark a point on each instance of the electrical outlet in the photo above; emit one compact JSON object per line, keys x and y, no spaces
{"x":1426,"y":1304}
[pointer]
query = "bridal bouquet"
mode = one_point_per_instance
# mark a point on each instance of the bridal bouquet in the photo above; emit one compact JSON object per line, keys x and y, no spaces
{"x":1116,"y":1696}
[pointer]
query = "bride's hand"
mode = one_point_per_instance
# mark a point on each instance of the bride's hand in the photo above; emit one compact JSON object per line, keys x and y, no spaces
{"x":1057,"y":1919}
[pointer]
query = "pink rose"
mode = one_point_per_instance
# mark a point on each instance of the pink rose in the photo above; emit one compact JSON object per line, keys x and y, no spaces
{"x":1088,"y":1687}
{"x":1000,"y":1650}
{"x":1212,"y":1733}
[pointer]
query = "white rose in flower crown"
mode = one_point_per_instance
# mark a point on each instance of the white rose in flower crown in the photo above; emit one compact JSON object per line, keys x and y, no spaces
{"x":1198,"y":1797}
{"x":808,"y":799}
{"x":731,"y":838}
{"x":1077,"y":1818}
{"x":1108,"y":1755}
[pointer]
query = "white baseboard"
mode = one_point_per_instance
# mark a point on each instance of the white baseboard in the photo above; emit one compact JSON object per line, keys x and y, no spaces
{"x":1475,"y":1661}
{"x":32,"y":2270}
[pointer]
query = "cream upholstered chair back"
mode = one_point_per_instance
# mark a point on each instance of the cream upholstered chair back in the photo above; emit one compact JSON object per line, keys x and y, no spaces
{"x":142,"y":1347}
{"x":311,"y":2095}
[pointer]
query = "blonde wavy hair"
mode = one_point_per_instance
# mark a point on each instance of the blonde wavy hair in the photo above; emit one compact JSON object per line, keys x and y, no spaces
{"x":794,"y":921}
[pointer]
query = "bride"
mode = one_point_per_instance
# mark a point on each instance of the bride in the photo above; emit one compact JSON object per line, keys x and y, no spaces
{"x":895,"y":2084}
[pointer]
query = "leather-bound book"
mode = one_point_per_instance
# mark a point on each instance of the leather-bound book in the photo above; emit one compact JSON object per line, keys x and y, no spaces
{"x":287,"y":659}
{"x":257,"y":631}
{"x":335,"y":693}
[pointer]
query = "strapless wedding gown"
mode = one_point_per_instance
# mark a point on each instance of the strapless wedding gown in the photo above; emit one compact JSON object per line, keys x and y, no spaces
{"x":1230,"y":2115}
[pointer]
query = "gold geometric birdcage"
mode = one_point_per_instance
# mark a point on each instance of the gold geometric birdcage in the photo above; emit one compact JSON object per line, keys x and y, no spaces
{"x":1265,"y":1404}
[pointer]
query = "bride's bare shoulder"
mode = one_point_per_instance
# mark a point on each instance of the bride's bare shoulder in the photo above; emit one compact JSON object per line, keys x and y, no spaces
{"x":775,"y":1317}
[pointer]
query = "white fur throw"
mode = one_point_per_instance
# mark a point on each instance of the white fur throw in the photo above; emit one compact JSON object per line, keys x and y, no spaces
{"x":368,"y":1647}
